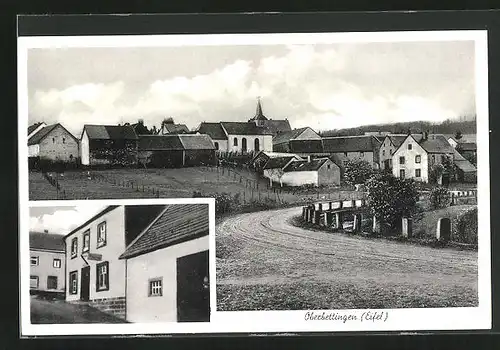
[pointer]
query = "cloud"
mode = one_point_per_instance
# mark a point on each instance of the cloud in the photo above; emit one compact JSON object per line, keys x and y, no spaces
{"x":324,"y":87}
{"x":64,"y":219}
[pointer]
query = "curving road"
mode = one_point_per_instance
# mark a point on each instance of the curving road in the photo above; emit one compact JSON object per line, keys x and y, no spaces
{"x":265,"y":248}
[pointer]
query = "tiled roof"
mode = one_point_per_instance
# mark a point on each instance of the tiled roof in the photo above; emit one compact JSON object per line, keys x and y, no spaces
{"x":467,"y":146}
{"x":176,"y":128}
{"x":435,"y":143}
{"x":397,"y":140}
{"x":304,"y":165}
{"x":287,"y":135}
{"x":465,"y":165}
{"x":278,"y":162}
{"x":46,"y":241}
{"x":214,"y":130}
{"x":306,"y":146}
{"x":159,"y":142}
{"x":138,"y":217}
{"x":40,"y":135}
{"x":466,"y":138}
{"x":177,"y":223}
{"x":196,"y":141}
{"x":350,"y":144}
{"x":110,"y":132}
{"x":245,"y":128}
{"x":277,"y":126}
{"x":33,"y":127}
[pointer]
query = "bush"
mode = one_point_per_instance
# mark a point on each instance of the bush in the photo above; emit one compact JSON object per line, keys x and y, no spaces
{"x":439,"y":198}
{"x":465,"y":228}
{"x":224,"y":202}
{"x":357,"y":171}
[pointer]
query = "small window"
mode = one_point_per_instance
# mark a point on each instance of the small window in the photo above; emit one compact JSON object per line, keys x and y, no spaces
{"x":102,"y":276}
{"x":410,"y":146}
{"x":418,"y":159}
{"x":383,"y":152}
{"x":417,"y":173}
{"x":328,"y":166}
{"x":56,"y":263}
{"x":235,"y":142}
{"x":402,"y":174}
{"x":74,"y":247}
{"x":216,"y":144}
{"x":401,"y":160}
{"x":86,"y":241}
{"x":64,"y":140}
{"x":53,"y":140}
{"x":51,"y":282}
{"x":73,"y":282}
{"x":101,"y":234}
{"x":155,"y":287}
{"x":33,"y":282}
{"x":361,"y":154}
{"x":34,"y":260}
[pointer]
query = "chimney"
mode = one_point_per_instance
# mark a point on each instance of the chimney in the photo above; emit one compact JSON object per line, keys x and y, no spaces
{"x":141,"y":121}
{"x":46,"y":231}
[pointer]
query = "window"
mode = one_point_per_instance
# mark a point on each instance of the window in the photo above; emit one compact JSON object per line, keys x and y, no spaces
{"x":53,"y":140}
{"x":101,"y":234}
{"x":383,"y":152}
{"x":33,"y":282}
{"x":64,"y":140}
{"x":402,"y":173}
{"x":410,"y":146}
{"x":216,"y":144}
{"x":361,"y":154}
{"x":86,"y":241}
{"x":328,"y":166}
{"x":73,"y":282}
{"x":51,"y":282}
{"x":433,"y":158}
{"x":56,"y":263}
{"x":102,"y":276}
{"x":235,"y":142}
{"x":74,"y":247}
{"x":345,"y":154}
{"x":417,"y":173}
{"x":418,"y":159}
{"x":244,"y":144}
{"x":155,"y":287}
{"x":34,"y":260}
{"x":401,"y":160}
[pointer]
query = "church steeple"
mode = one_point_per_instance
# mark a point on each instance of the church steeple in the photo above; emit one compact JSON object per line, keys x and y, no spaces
{"x":259,"y":116}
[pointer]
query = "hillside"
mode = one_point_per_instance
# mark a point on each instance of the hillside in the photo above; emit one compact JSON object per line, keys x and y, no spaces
{"x":446,"y":127}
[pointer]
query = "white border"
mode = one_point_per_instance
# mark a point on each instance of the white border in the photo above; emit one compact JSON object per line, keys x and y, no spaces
{"x":276,"y":321}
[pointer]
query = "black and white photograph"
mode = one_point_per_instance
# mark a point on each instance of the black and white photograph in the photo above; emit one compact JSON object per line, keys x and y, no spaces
{"x":133,"y":263}
{"x":349,"y":172}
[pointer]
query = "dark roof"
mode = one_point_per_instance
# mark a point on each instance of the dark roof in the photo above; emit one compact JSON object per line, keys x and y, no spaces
{"x":277,"y":126}
{"x":41,"y":134}
{"x":176,"y":128}
{"x":457,"y":156}
{"x":196,"y":141}
{"x":138,"y":217}
{"x":96,"y":216}
{"x":464,"y":165}
{"x":33,"y":127}
{"x":340,"y":144}
{"x":245,"y":128}
{"x":306,"y":146}
{"x":286,"y":136}
{"x":278,"y":162}
{"x":214,"y":130}
{"x":467,"y":146}
{"x":466,"y":138}
{"x":46,"y":241}
{"x":159,"y":142}
{"x":304,"y":165}
{"x":177,"y":223}
{"x":435,"y":143}
{"x":110,"y":132}
{"x":258,"y":113}
{"x":397,"y":140}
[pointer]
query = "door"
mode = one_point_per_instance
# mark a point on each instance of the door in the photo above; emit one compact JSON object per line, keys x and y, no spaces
{"x":445,"y":229}
{"x":85,"y":284}
{"x":51,"y":282}
{"x":193,"y":292}
{"x":387,"y":164}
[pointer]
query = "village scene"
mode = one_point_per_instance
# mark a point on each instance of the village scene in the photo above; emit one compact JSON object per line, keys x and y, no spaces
{"x":356,"y":213}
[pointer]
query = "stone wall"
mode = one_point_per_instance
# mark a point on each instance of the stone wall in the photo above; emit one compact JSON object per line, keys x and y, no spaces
{"x":113,"y":306}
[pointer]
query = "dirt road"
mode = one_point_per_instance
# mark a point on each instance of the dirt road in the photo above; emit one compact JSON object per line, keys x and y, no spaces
{"x":260,"y":252}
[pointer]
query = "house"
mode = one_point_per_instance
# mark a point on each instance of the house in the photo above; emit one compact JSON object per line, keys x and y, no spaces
{"x":390,"y":143}
{"x":363,"y":147}
{"x":108,"y":145}
{"x":316,"y":172}
{"x":34,"y":128}
{"x":53,"y":142}
{"x":281,"y":142}
{"x":167,"y":267}
{"x":169,"y":127}
{"x":47,"y":261}
{"x":216,"y":133}
{"x":273,"y":169}
{"x":309,"y":147}
{"x":140,"y":128}
{"x":176,"y":150}
{"x":275,"y":127}
{"x":262,"y":157}
{"x":467,"y":149}
{"x":94,"y":272}
{"x":466,"y":172}
{"x":417,"y":153}
{"x":464,"y":138}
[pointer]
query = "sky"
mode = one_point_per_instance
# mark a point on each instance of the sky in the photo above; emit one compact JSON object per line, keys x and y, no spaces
{"x":322,"y":86}
{"x":63,"y":219}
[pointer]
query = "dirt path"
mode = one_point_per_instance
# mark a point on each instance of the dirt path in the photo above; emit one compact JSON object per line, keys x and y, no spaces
{"x":263,"y":248}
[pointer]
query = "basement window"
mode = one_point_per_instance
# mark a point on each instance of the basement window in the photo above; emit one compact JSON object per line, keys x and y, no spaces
{"x":155,"y":287}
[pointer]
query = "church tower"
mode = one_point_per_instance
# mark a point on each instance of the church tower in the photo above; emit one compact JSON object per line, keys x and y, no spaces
{"x":259,"y":117}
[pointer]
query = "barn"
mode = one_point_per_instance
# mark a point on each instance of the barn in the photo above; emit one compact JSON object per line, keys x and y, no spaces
{"x":316,"y":172}
{"x":176,"y":150}
{"x":108,"y":145}
{"x":51,"y":143}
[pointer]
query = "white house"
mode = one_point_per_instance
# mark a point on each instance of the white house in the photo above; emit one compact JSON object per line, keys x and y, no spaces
{"x":417,"y":152}
{"x":273,"y":169}
{"x":53,"y":142}
{"x":47,"y":262}
{"x":167,"y":267}
{"x":316,"y":172}
{"x":389,"y":144}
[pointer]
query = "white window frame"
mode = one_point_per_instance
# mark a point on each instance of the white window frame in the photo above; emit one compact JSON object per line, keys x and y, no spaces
{"x":34,"y":259}
{"x":102,"y":276}
{"x":73,"y":282}
{"x":418,"y":159}
{"x":155,"y":287}
{"x":33,"y":277}
{"x":101,"y":237}
{"x":74,"y":247}
{"x":402,"y":160}
{"x":54,"y":263}
{"x":86,"y":239}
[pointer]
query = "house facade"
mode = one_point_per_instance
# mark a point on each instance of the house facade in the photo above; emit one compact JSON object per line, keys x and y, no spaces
{"x":389,"y":145}
{"x":281,"y":142}
{"x":168,"y":269}
{"x":108,"y":145}
{"x":47,"y":263}
{"x":364,"y":147}
{"x":315,"y":172}
{"x":53,"y":142}
{"x":273,"y":169}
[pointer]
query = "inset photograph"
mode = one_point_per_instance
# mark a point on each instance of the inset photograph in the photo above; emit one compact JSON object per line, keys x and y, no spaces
{"x":119,"y":263}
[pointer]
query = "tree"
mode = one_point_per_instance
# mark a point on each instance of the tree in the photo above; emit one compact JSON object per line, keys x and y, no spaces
{"x":439,"y":198}
{"x":392,"y":198}
{"x":357,"y":171}
{"x":471,"y":157}
{"x":458,"y":135}
{"x":436,"y":172}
